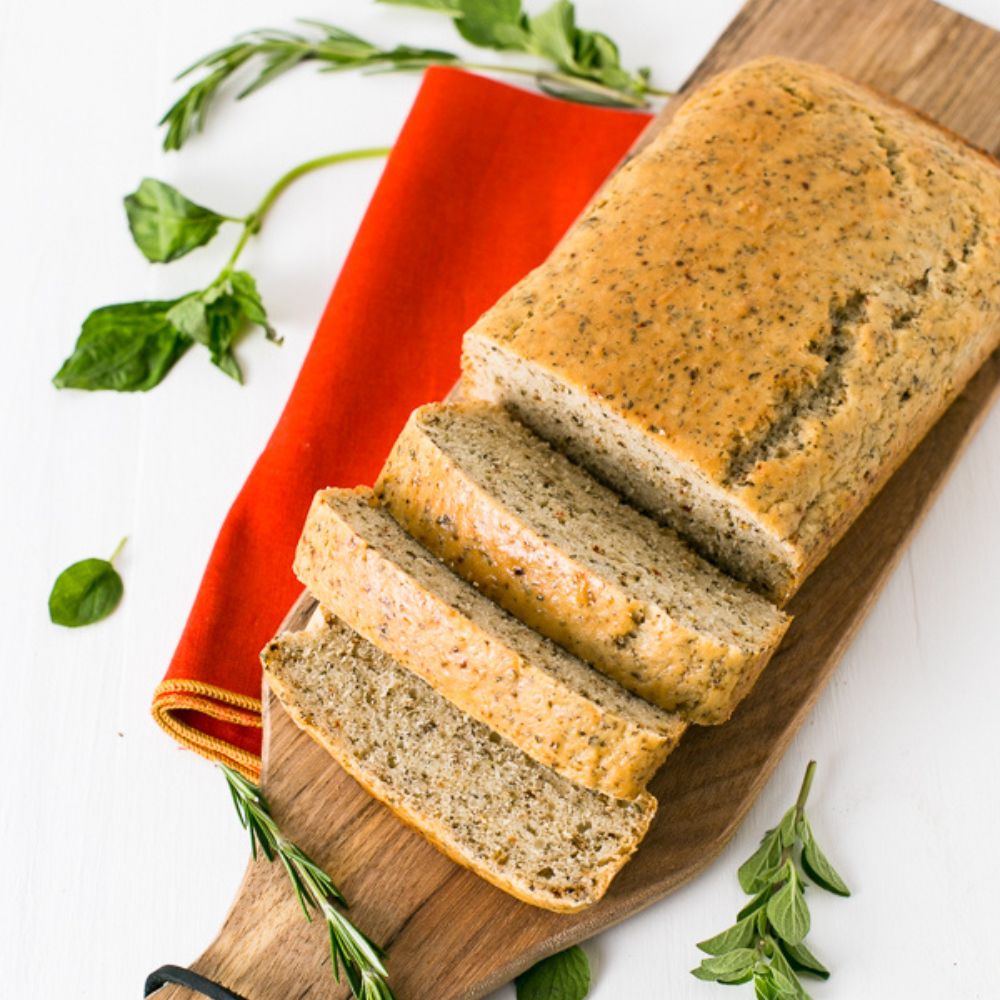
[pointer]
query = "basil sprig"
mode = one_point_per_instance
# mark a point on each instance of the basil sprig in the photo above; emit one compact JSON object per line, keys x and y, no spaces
{"x":131,"y":346}
{"x":564,"y":976}
{"x":578,"y":64}
{"x":767,"y":942}
{"x":86,"y":592}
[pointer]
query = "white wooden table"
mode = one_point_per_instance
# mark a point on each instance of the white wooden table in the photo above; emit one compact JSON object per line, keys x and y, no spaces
{"x":121,"y":852}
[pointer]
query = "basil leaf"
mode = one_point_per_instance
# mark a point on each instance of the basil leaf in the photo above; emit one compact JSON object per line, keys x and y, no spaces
{"x":165,"y":225}
{"x":553,"y":34}
{"x":86,"y":592}
{"x":215,"y":319}
{"x":733,"y":965}
{"x":759,"y":869}
{"x":493,"y":24}
{"x":802,"y":959}
{"x":564,"y":976}
{"x":764,"y":987}
{"x":244,"y":290}
{"x":740,"y":935}
{"x":128,"y":347}
{"x":818,"y":868}
{"x":787,"y":910}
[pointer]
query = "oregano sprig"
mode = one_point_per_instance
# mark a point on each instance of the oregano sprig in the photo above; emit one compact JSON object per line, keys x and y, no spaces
{"x":767,"y":942}
{"x":578,"y":64}
{"x":351,"y":951}
{"x":131,"y":346}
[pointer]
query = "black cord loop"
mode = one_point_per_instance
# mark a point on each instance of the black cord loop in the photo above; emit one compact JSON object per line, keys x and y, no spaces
{"x":174,"y":974}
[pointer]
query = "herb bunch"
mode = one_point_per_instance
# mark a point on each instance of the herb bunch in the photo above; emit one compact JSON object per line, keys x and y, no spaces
{"x":131,"y":346}
{"x":767,"y":943}
{"x":350,"y":949}
{"x":581,"y":65}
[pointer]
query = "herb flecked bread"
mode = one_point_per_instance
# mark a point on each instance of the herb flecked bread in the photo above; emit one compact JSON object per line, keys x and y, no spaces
{"x":487,"y":805}
{"x":360,"y":564}
{"x":760,"y":315}
{"x":567,"y":556}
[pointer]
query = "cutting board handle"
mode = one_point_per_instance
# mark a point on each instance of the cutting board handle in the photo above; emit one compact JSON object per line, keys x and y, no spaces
{"x":179,"y":976}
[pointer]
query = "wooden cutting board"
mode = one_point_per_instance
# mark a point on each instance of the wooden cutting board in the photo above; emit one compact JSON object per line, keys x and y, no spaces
{"x":450,"y":935}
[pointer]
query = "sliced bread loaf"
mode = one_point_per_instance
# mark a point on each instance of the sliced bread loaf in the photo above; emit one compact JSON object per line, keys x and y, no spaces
{"x":358,"y":562}
{"x":490,"y":807}
{"x":568,"y":557}
{"x":760,"y":315}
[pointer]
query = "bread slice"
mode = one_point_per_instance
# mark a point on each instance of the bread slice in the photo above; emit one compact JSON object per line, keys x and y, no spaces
{"x":358,"y":562}
{"x":565,"y":555}
{"x":471,"y":793}
{"x":760,"y":315}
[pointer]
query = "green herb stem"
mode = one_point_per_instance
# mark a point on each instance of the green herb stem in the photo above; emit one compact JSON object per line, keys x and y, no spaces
{"x":118,"y":549}
{"x":807,"y":780}
{"x":253,"y":222}
{"x":351,"y":951}
{"x":611,"y":94}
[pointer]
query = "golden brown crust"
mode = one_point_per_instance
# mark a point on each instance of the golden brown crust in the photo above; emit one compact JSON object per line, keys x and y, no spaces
{"x":780,"y":295}
{"x":435,"y":832}
{"x":594,"y":616}
{"x":554,"y":723}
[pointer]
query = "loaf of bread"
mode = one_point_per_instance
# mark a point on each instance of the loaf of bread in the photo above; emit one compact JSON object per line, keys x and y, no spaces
{"x":760,"y":315}
{"x":474,"y":795}
{"x":567,"y":556}
{"x":358,"y":562}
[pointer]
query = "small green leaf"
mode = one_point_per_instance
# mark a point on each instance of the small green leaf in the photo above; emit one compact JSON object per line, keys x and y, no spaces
{"x":740,"y":935}
{"x":758,"y":871}
{"x":165,"y":225}
{"x":732,"y":965}
{"x":244,"y":290}
{"x":493,"y":24}
{"x":787,"y":827}
{"x":784,"y":975}
{"x":756,"y":903}
{"x":553,"y":33}
{"x":564,"y":976}
{"x":787,"y":909}
{"x":86,"y":592}
{"x":802,"y":959}
{"x":818,"y":868}
{"x":128,"y":347}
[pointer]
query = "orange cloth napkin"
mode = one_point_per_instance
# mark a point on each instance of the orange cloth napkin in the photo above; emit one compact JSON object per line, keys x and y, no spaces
{"x":482,"y":182}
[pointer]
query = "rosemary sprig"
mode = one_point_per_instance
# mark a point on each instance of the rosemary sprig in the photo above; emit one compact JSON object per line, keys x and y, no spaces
{"x":582,"y":65}
{"x":767,"y":943}
{"x":350,"y":949}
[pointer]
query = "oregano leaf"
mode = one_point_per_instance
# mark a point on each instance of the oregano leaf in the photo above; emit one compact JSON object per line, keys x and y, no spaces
{"x":756,"y":903}
{"x":740,"y":935}
{"x":802,"y":959}
{"x":787,"y":827}
{"x":818,"y":868}
{"x":733,"y":964}
{"x":787,"y":910}
{"x":757,"y":871}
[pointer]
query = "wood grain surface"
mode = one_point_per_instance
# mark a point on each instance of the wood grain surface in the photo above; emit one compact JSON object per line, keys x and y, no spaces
{"x":451,"y":936}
